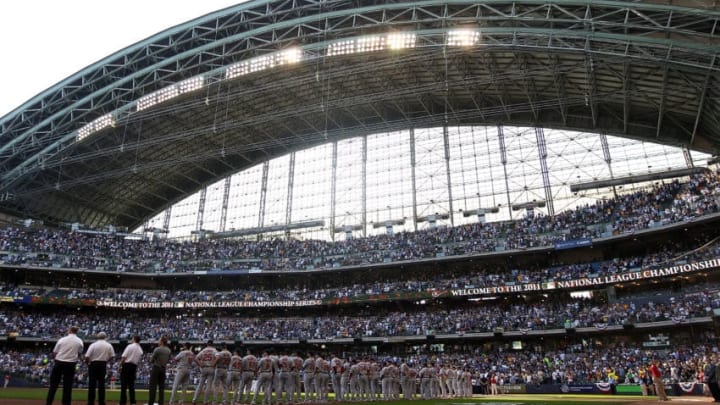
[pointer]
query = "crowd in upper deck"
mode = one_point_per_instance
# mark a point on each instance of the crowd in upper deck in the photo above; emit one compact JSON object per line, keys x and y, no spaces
{"x":406,"y":319}
{"x":662,"y":204}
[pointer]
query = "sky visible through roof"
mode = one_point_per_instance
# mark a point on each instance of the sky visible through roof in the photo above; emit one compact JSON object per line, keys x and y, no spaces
{"x":44,"y":42}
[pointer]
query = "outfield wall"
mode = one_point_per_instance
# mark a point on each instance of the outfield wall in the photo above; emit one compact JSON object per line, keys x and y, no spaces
{"x":675,"y":389}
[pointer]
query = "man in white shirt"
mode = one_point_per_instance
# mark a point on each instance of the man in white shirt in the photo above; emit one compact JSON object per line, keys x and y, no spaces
{"x":66,"y":353}
{"x":97,"y":357}
{"x":129,"y":361}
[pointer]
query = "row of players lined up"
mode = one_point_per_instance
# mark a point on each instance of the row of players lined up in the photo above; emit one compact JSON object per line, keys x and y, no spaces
{"x":690,"y":249}
{"x":213,"y":372}
{"x":665,"y":203}
{"x":290,"y":378}
{"x":553,"y":312}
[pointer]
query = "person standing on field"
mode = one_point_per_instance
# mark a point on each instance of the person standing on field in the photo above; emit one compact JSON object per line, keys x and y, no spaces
{"x":66,"y":354}
{"x":206,"y":360}
{"x":234,"y":378}
{"x":220,"y":380}
{"x":184,"y":361}
{"x":129,"y":361}
{"x":159,"y":360}
{"x":97,"y":357}
{"x":658,"y":382}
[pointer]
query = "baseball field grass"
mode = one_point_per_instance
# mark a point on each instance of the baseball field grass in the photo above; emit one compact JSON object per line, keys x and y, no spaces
{"x":37,"y":395}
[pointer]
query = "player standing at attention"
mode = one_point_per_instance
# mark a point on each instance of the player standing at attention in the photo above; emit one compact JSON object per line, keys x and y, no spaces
{"x":184,"y":361}
{"x":322,"y":378}
{"x":336,"y":370}
{"x":297,"y":365}
{"x":206,"y":361}
{"x":235,"y":377}
{"x":220,"y":380}
{"x":287,"y":380}
{"x":249,"y":370}
{"x":309,"y":377}
{"x":264,"y":382}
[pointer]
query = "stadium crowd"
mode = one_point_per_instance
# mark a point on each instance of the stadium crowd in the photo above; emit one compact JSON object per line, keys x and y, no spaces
{"x":424,"y":373}
{"x":414,"y":320}
{"x":663,"y":204}
{"x":665,"y":253}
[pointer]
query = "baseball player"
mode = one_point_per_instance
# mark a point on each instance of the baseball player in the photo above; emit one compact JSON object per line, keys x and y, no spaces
{"x":296,"y":369}
{"x":249,"y":369}
{"x":287,"y":380}
{"x":234,"y":377}
{"x":220,"y":380}
{"x":309,"y":377}
{"x":206,"y":361}
{"x":345,"y":380}
{"x":385,"y":381}
{"x":354,"y":383}
{"x":275,"y":387}
{"x":374,"y":380}
{"x":265,"y":371}
{"x":364,"y":379}
{"x":183,"y":365}
{"x":395,"y":380}
{"x":322,"y":378}
{"x":425,"y":382}
{"x":443,"y":378}
{"x":336,"y":370}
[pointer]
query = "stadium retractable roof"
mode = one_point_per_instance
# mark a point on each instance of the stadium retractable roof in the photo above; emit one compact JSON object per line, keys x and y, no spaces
{"x":137,"y":131}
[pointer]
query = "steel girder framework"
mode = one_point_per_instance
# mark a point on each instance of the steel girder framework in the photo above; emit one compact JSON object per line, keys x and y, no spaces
{"x":641,"y":70}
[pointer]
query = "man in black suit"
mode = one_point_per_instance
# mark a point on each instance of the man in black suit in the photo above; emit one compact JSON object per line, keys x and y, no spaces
{"x":711,"y":376}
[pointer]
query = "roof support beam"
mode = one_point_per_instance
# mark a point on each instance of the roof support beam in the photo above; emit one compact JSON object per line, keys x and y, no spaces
{"x":701,"y":103}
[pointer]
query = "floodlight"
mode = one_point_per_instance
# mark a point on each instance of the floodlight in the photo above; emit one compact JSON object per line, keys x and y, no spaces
{"x":341,"y":48}
{"x":166,"y":93}
{"x":401,"y":41}
{"x":191,"y":84}
{"x":288,"y":56}
{"x":145,"y":102}
{"x":370,"y":44}
{"x":96,"y":125}
{"x":237,"y":69}
{"x":463,"y":37}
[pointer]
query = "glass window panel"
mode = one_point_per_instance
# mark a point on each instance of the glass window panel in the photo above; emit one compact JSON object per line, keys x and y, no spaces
{"x":349,"y":184}
{"x":183,"y":217}
{"x":312,"y":184}
{"x":431,"y":183}
{"x":244,"y":201}
{"x":213,"y":206}
{"x":277,"y":191}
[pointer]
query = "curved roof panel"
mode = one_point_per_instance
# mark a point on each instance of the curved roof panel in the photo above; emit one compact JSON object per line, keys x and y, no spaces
{"x":140,"y":129}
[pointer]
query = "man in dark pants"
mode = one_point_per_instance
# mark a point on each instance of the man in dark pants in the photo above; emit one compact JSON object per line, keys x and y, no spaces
{"x":711,"y":377}
{"x":129,"y":361}
{"x":159,"y":359}
{"x":66,"y":354}
{"x":97,"y":357}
